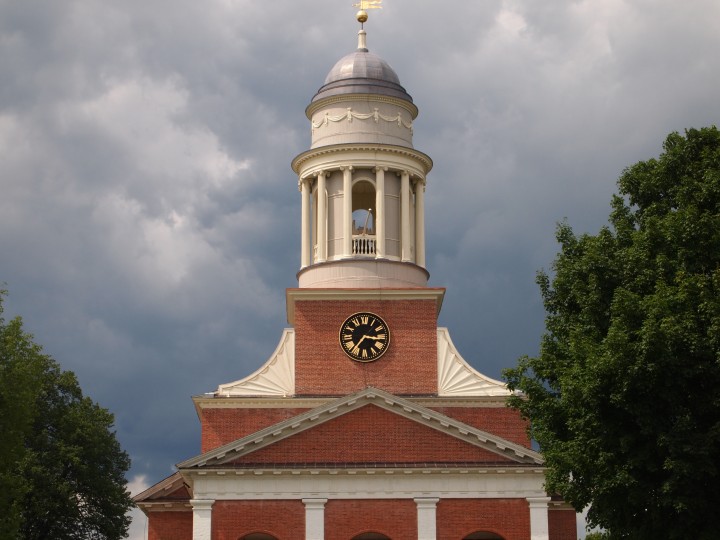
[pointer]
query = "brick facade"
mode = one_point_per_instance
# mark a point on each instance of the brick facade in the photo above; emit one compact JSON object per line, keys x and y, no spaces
{"x":396,"y":519}
{"x":562,"y":523}
{"x":170,"y":525}
{"x":371,"y":435}
{"x":508,"y":518}
{"x":235,"y":519}
{"x":409,"y":367}
{"x":502,"y":421}
{"x":223,"y":426}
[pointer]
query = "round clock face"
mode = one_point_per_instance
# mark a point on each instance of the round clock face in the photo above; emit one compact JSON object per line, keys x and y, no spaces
{"x":364,"y":337}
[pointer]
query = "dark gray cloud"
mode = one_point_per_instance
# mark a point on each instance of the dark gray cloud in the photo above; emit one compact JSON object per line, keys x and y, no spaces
{"x":149,"y":217}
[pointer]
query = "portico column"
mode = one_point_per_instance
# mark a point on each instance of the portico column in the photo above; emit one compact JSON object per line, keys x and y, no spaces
{"x":202,"y":518}
{"x":347,"y":212}
{"x":321,"y":218}
{"x":539,"y":518}
{"x":405,"y":216}
{"x":314,"y":519}
{"x":379,"y":212}
{"x":305,"y":223}
{"x":420,"y":223}
{"x":426,"y":520}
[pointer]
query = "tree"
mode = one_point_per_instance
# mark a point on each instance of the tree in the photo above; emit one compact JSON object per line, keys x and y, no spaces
{"x":61,"y":466}
{"x":624,"y":397}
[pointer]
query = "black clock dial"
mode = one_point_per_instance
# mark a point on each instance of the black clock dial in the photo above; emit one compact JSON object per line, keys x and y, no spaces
{"x":364,"y":337}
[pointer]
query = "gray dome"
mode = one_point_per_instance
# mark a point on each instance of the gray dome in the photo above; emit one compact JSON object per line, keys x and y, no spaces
{"x":362,"y":72}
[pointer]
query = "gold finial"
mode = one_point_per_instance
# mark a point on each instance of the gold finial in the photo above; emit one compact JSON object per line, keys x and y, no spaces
{"x":364,"y":5}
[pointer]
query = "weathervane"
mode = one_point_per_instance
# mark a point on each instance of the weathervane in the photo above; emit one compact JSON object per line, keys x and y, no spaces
{"x":364,"y":5}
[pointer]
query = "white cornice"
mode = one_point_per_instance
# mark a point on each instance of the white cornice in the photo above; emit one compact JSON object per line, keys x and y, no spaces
{"x":376,"y":483}
{"x":361,"y":155}
{"x":212,"y":401}
{"x":420,"y":293}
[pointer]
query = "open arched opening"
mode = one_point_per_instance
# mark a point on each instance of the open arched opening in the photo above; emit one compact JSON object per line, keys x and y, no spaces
{"x":483,"y":535}
{"x":370,"y":536}
{"x":258,"y":536}
{"x":363,"y":218}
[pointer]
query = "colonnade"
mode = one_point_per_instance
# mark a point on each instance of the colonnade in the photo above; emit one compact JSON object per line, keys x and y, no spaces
{"x":408,"y":187}
{"x":426,"y":518}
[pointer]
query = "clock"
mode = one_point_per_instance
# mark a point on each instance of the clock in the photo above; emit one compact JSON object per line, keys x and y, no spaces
{"x":364,"y":337}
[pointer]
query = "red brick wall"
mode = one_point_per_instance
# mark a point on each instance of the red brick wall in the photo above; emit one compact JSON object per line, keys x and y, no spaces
{"x":562,"y":524}
{"x":371,"y":434}
{"x":170,"y":525}
{"x":509,"y":518}
{"x":408,"y":367}
{"x":223,"y":426}
{"x":501,"y":421}
{"x":396,"y":519}
{"x":234,"y":519}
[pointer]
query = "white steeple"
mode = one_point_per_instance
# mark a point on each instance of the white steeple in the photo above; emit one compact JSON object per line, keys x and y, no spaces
{"x":362,"y":182}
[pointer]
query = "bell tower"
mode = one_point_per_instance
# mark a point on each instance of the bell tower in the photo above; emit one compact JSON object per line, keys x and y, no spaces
{"x":365,"y":422}
{"x":362,"y":182}
{"x":363,"y":313}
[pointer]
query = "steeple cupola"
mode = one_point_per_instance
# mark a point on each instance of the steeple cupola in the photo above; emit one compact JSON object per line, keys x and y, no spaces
{"x":362,"y":182}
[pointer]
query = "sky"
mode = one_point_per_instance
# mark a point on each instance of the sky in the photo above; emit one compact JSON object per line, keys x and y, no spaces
{"x":149,"y":218}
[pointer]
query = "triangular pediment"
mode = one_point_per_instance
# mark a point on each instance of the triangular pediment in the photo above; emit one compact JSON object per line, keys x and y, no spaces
{"x":166,"y":492}
{"x":403,"y":409}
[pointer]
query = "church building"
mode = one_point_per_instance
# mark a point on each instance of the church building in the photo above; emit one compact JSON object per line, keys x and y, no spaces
{"x":365,"y":423}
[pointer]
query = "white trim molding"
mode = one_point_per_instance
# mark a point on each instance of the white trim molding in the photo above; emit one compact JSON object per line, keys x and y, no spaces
{"x":202,"y":518}
{"x":426,"y":517}
{"x":314,"y":519}
{"x":539,"y":528}
{"x":376,"y":116}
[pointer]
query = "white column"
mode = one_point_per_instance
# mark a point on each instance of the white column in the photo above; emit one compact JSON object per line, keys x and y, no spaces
{"x":539,"y":518}
{"x":314,"y":519}
{"x":405,"y":216}
{"x":202,"y":518}
{"x":321,"y":218}
{"x":379,"y":212}
{"x":305,"y":223}
{"x":427,"y":526}
{"x":420,"y":223}
{"x":347,"y":212}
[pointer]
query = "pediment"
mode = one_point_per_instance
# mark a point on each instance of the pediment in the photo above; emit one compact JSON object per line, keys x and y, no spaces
{"x":405,"y":410}
{"x":171,"y":489}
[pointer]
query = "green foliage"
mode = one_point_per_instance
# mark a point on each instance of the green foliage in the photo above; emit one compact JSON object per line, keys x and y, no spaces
{"x":624,"y":398}
{"x":61,"y":466}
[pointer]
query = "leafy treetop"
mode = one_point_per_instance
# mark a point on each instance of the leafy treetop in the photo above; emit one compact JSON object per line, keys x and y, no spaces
{"x":624,"y":397}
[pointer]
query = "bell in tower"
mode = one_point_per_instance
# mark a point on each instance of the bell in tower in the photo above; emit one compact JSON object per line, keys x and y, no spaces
{"x":362,"y":182}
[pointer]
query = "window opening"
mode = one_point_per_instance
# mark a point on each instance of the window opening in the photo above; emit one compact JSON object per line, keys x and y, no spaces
{"x":363,"y":218}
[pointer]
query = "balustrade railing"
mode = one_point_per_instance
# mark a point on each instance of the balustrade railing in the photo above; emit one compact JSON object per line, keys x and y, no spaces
{"x":363,"y":244}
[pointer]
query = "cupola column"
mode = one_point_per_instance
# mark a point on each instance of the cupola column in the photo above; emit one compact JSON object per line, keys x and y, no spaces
{"x":347,"y":212}
{"x":305,"y":223}
{"x":420,"y":222}
{"x":405,"y":216}
{"x":380,"y":212}
{"x":321,"y":218}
